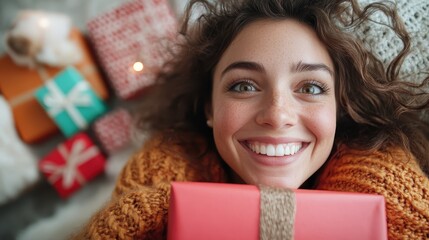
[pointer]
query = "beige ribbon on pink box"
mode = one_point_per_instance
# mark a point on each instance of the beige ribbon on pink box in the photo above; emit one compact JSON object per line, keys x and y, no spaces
{"x":277,"y":215}
{"x":75,"y":157}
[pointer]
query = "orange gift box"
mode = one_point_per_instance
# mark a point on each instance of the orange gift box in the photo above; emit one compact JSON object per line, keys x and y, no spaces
{"x":18,"y":84}
{"x":232,"y":211}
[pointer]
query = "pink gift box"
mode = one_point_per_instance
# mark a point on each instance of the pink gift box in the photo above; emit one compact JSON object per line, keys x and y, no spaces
{"x":113,"y":130}
{"x":72,"y":164}
{"x":134,"y":31}
{"x":232,"y":211}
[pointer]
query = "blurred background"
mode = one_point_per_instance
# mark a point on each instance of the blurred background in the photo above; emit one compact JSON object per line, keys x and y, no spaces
{"x":30,"y":207}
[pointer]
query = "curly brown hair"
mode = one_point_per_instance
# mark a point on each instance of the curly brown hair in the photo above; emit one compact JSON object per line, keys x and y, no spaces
{"x":376,"y":108}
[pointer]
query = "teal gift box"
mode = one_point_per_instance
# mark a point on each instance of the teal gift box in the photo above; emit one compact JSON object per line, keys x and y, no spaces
{"x":70,"y":101}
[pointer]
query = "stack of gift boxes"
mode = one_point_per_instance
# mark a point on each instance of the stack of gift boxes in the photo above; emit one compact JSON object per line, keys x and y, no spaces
{"x":122,"y":52}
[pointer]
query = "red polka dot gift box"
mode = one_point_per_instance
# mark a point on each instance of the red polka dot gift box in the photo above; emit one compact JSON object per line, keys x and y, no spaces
{"x":113,"y":130}
{"x":130,"y":43}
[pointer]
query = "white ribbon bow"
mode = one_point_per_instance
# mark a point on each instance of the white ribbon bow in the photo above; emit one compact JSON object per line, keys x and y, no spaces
{"x":57,"y":101}
{"x":77,"y":155}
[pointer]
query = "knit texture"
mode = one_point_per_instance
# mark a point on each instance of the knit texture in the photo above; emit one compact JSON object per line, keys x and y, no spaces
{"x":393,"y":174}
{"x":386,"y":44}
{"x":139,"y":206}
{"x":18,"y":165}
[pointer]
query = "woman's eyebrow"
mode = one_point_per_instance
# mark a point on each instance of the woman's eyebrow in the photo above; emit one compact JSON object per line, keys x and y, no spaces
{"x":304,"y":67}
{"x":300,"y":67}
{"x":244,"y":65}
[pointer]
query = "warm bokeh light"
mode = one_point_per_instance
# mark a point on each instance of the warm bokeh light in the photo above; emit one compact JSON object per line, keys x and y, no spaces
{"x":43,"y":22}
{"x":138,"y":66}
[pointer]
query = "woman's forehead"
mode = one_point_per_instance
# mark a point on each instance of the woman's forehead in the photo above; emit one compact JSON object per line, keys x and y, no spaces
{"x":275,"y":41}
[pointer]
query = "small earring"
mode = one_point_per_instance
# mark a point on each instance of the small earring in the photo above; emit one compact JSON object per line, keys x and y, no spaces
{"x":209,"y":123}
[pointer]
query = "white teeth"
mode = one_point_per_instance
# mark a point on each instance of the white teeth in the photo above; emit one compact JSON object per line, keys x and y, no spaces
{"x":263,"y":149}
{"x":278,"y":150}
{"x":271,"y":151}
{"x":256,"y":149}
{"x":288,"y":149}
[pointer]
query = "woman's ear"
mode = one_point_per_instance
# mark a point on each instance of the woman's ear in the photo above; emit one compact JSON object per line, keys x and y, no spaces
{"x":209,"y":114}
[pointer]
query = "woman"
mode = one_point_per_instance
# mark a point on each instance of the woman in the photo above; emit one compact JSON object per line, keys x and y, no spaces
{"x":278,"y":93}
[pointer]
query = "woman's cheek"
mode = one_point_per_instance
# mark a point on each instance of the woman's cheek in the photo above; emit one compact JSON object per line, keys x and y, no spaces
{"x":323,"y":122}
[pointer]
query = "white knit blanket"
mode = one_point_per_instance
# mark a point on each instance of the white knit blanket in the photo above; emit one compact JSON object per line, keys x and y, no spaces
{"x":18,"y":168}
{"x":415,"y":14}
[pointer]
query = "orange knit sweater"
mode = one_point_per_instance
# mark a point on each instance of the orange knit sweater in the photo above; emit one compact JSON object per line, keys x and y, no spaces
{"x":139,"y":206}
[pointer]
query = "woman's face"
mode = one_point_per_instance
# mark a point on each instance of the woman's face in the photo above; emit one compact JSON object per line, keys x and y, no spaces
{"x":273,"y":106}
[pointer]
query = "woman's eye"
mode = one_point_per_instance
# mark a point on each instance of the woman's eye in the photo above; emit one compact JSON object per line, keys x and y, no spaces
{"x":312,"y":89}
{"x":243,"y":87}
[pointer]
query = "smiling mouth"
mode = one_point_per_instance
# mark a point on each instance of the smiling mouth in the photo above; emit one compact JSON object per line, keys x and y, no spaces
{"x":275,"y":150}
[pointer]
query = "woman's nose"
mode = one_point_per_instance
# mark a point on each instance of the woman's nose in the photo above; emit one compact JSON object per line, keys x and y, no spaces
{"x":277,"y":111}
